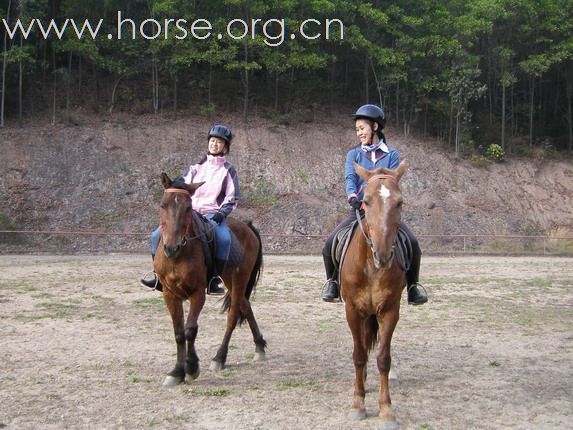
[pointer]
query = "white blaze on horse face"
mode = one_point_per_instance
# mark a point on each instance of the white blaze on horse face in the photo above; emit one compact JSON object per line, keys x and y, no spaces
{"x":384,"y":192}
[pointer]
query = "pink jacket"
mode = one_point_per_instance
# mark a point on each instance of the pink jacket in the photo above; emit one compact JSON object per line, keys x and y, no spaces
{"x":220,"y":191}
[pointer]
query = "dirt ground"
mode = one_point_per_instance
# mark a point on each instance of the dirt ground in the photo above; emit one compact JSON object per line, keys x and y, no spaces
{"x":84,"y":347}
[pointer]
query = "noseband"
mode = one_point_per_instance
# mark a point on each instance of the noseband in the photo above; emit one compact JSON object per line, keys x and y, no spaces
{"x":359,"y":218}
{"x":185,"y":238}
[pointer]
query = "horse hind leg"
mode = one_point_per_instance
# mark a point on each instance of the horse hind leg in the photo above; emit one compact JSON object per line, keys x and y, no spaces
{"x":260,"y":342}
{"x":218,"y":362}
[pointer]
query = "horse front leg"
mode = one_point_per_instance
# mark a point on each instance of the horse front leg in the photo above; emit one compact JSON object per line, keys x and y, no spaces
{"x":360,"y":358}
{"x":387,"y":323}
{"x":175,"y":307}
{"x":196,"y":303}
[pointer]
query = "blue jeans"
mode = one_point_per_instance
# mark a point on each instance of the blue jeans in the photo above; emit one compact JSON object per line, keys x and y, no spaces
{"x":222,"y":239}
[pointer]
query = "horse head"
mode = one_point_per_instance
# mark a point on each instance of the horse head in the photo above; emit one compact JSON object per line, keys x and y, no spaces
{"x":382,"y":205}
{"x":175,"y":214}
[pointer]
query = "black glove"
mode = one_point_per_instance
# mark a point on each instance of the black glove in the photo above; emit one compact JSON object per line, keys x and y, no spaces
{"x":218,"y":217}
{"x":355,"y":203}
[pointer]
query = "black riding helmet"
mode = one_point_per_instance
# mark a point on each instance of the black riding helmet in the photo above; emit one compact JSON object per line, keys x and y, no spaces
{"x":373,"y":113}
{"x":222,"y":132}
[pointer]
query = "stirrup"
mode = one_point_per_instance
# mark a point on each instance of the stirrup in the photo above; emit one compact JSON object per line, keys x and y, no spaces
{"x":213,"y":288}
{"x":155,"y":280}
{"x":422,"y":290}
{"x":326,"y":287}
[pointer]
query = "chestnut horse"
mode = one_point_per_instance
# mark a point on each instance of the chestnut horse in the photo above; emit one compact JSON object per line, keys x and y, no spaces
{"x":371,"y":283}
{"x":180,"y":266}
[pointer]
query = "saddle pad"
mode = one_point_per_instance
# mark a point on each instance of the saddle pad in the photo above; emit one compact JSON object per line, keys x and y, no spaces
{"x":402,"y":247}
{"x":208,"y":241}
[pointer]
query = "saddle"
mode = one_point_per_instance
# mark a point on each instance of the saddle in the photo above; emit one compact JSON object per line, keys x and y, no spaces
{"x":402,"y":247}
{"x":207,"y":236}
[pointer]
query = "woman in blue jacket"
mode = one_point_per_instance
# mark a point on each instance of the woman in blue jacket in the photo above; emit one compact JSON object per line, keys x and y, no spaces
{"x":372,"y":153}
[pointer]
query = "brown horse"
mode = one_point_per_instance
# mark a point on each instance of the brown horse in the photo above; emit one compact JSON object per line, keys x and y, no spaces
{"x":180,"y":266}
{"x":371,"y":283}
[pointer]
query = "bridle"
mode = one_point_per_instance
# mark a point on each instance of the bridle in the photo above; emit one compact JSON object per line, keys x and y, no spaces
{"x":186,"y":238}
{"x":360,"y":223}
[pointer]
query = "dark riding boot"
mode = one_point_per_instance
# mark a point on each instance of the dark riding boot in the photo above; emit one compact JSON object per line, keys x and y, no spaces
{"x":153,"y":283}
{"x":330,"y":292}
{"x":416,"y":296}
{"x":214,"y":288}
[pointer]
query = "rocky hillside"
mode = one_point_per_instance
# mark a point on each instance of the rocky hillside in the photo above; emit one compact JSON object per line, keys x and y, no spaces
{"x":103,"y":175}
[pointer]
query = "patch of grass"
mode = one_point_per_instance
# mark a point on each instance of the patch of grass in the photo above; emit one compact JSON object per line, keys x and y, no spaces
{"x":494,"y":364}
{"x":302,"y":175}
{"x":138,"y":380}
{"x":294,"y":383}
{"x":261,"y":193}
{"x":58,"y":310}
{"x":152,"y":302}
{"x":20,"y":286}
{"x":103,"y":300}
{"x":426,"y":427}
{"x":206,"y":392}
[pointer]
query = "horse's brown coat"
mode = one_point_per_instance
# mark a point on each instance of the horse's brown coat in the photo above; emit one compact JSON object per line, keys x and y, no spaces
{"x":180,"y":266}
{"x":371,"y":284}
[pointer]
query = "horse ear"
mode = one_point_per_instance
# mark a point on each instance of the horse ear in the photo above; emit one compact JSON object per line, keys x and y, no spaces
{"x":402,"y":168}
{"x":165,"y":180}
{"x":192,"y":187}
{"x":362,"y":172}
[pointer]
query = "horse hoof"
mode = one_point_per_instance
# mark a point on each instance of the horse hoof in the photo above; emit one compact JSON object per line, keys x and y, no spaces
{"x":393,"y":374}
{"x":259,"y":356}
{"x":216,"y":366}
{"x":171,"y":381}
{"x":193,"y":376}
{"x":390,"y":425}
{"x":357,"y":414}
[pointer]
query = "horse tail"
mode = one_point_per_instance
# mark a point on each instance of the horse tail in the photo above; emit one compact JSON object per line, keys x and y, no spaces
{"x":253,"y":278}
{"x":371,"y":333}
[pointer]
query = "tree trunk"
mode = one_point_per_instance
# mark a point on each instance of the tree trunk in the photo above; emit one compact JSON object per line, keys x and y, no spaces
{"x":155,"y":84}
{"x":569,"y":95}
{"x":246,"y":83}
{"x":175,"y":81}
{"x":55,"y":87}
{"x":69,"y":83}
{"x":111,"y":107}
{"x":20,"y":84}
{"x":378,"y":88}
{"x":397,"y":112}
{"x":276,"y":91}
{"x":366,"y":81}
{"x":531,"y":97}
{"x":4,"y":64}
{"x":209,"y":87}
{"x":503,"y":117}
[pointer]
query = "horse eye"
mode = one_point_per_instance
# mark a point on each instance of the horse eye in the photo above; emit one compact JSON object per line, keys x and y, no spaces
{"x":188,"y":209}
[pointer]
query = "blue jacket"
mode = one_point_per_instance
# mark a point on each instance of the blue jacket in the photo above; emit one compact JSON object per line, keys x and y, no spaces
{"x":353,"y":183}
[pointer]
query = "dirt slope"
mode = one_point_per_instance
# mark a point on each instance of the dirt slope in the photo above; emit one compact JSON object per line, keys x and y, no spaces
{"x":104,"y":175}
